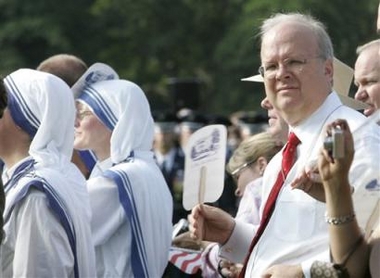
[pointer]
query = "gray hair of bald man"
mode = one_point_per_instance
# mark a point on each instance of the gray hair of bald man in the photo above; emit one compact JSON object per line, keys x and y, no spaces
{"x":318,"y":28}
{"x":368,"y":45}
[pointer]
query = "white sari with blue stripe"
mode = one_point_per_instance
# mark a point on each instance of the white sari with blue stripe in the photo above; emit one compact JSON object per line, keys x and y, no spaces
{"x":131,"y":229}
{"x":131,"y":203}
{"x":47,"y":211}
{"x":18,"y":187}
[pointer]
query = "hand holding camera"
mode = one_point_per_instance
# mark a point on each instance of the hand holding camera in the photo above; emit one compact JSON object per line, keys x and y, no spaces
{"x":336,"y":155}
{"x":334,"y":142}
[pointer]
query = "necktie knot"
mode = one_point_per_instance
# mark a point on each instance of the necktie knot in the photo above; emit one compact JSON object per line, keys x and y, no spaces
{"x":288,"y":155}
{"x":293,"y":139}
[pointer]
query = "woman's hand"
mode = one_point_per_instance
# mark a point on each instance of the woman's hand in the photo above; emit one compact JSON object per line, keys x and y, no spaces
{"x":334,"y":171}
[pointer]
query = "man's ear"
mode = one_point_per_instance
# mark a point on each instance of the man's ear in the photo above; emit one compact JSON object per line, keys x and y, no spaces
{"x":329,"y":69}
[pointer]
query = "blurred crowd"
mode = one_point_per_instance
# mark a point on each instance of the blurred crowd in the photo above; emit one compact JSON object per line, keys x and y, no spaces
{"x":172,"y":131}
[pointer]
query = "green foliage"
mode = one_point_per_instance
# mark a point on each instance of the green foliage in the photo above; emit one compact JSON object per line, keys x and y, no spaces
{"x":32,"y":30}
{"x":149,"y":41}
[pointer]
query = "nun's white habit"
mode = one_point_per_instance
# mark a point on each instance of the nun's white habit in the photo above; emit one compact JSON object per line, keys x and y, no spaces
{"x":131,"y":204}
{"x":47,"y":213}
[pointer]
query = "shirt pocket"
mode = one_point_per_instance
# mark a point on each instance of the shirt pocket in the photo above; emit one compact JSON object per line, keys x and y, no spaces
{"x":294,"y":220}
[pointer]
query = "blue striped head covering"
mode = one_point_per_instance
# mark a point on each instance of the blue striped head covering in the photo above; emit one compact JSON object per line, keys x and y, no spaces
{"x":21,"y":113}
{"x":42,"y":105}
{"x":123,"y":108}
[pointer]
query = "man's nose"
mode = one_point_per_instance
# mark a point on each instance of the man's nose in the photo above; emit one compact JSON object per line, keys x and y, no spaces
{"x":361,"y":94}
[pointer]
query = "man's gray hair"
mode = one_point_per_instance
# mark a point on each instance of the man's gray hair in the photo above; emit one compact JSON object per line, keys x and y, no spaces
{"x":318,"y":28}
{"x":374,"y":43}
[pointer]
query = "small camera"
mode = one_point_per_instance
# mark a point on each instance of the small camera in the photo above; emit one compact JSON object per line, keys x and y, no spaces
{"x":334,"y":144}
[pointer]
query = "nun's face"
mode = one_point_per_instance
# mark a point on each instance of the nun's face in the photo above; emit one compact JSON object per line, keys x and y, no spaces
{"x":91,"y":133}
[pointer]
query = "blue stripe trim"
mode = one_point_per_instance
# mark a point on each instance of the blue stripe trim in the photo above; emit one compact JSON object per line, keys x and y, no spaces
{"x":137,"y":220}
{"x":100,"y":106}
{"x":139,"y":262}
{"x":22,"y":170}
{"x":21,"y":114}
{"x":59,"y":209}
{"x":88,"y":158}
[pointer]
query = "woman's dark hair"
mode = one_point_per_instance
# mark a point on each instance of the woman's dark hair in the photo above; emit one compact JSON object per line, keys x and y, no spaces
{"x":3,"y":97}
{"x":3,"y":104}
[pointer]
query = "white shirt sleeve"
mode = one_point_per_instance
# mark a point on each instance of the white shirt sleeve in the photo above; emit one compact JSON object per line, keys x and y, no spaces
{"x":236,"y":248}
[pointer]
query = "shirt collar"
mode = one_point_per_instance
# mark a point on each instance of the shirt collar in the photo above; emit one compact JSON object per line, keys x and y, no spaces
{"x":307,"y":128}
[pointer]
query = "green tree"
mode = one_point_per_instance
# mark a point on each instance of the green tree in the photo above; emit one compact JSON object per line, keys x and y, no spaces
{"x":32,"y":30}
{"x":150,"y":41}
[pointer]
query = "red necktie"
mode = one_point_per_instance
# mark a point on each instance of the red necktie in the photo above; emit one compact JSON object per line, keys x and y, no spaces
{"x":288,"y":158}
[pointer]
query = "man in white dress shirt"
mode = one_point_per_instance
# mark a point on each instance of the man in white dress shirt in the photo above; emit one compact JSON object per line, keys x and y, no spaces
{"x":297,"y":66}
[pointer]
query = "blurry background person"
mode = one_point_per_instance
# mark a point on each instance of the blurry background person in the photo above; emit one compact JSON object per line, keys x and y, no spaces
{"x":69,"y":68}
{"x":249,"y":122}
{"x":252,"y":123}
{"x":47,"y":212}
{"x":170,"y":157}
{"x":367,"y":75}
{"x":66,"y":66}
{"x":188,"y":124}
{"x":130,"y":201}
{"x":233,"y":137}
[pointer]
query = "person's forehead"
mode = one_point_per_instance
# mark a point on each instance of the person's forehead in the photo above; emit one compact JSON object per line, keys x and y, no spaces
{"x":288,"y":39}
{"x":365,"y":70}
{"x":81,"y":105}
{"x":368,"y":59}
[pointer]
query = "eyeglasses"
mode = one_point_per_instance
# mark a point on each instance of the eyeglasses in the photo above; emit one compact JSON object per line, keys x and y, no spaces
{"x":269,"y":71}
{"x":82,"y":114}
{"x":235,"y":173}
